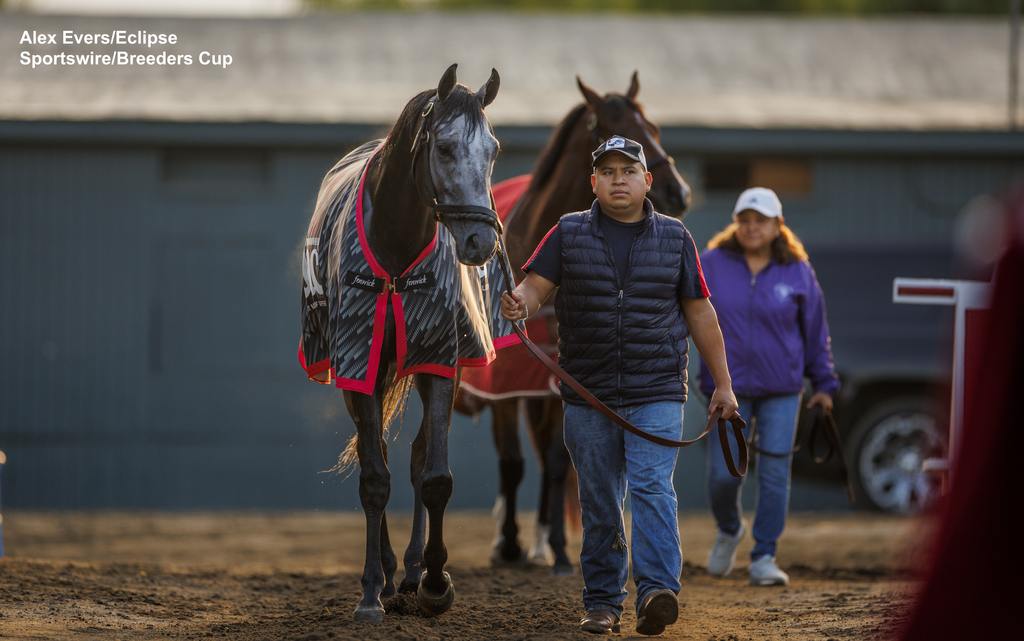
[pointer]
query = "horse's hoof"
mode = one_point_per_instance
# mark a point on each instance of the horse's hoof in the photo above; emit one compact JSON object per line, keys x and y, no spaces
{"x":563,"y":569}
{"x":434,"y":604}
{"x":506,"y":555}
{"x":538,"y":557}
{"x":408,"y":587}
{"x":369,"y":614}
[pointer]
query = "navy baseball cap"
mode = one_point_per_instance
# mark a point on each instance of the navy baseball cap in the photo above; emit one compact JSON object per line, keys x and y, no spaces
{"x":621,"y":145}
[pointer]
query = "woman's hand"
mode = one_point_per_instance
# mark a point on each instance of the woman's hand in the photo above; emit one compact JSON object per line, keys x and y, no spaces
{"x":725,"y":400}
{"x":513,"y":309}
{"x":822,"y":400}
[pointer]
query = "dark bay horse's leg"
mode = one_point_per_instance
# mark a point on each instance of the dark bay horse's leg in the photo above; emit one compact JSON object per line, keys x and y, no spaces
{"x":414,"y":553}
{"x":534,"y":414}
{"x":505,"y":429}
{"x":544,"y":417}
{"x":557,"y":462}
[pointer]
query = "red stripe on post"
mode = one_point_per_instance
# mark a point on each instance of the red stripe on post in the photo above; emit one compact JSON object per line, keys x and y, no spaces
{"x":944,"y":292}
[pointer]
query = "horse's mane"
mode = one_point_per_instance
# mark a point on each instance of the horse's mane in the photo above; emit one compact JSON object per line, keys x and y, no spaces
{"x":460,"y":102}
{"x":556,"y":146}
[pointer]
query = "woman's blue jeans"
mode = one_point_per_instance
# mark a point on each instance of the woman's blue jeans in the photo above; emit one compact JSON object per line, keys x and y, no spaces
{"x":608,"y":461}
{"x":776,"y":418}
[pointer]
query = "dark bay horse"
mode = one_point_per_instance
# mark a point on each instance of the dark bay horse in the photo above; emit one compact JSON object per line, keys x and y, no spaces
{"x":558,"y":185}
{"x":435,"y":165}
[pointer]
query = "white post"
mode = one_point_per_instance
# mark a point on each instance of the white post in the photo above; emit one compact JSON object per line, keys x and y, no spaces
{"x":962,"y":295}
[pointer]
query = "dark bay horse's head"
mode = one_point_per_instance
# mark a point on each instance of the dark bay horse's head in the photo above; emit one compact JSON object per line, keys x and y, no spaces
{"x":621,"y":114}
{"x":453,"y":150}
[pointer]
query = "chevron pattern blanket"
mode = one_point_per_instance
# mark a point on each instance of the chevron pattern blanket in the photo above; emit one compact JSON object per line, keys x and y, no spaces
{"x":446,"y":314}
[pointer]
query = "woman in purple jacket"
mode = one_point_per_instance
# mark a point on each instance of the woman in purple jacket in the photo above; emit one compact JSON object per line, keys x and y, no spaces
{"x":772,"y":314}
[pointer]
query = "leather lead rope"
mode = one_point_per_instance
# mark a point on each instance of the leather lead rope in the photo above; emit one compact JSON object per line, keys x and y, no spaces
{"x":737,"y":423}
{"x":474,"y":213}
{"x":823,"y":422}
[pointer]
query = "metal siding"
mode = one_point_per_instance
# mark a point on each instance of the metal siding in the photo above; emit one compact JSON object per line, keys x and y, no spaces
{"x":72,"y":220}
{"x":150,"y":319}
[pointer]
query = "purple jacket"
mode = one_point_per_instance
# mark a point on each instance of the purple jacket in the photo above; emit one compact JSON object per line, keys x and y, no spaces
{"x":774,"y":326}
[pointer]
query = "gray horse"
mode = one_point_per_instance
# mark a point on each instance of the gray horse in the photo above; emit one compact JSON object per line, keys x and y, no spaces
{"x":374,"y":245}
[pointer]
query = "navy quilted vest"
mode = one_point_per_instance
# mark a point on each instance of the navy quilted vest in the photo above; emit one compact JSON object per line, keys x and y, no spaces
{"x":625,"y":342}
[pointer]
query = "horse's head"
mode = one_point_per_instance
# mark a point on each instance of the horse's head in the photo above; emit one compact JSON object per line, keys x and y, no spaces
{"x":621,"y":114}
{"x":453,"y":155}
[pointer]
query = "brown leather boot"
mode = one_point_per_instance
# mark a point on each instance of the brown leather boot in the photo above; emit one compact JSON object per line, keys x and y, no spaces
{"x":600,"y":622}
{"x":658,"y":609}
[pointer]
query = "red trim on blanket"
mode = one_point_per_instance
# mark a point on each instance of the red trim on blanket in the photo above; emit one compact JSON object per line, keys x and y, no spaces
{"x":507,"y":341}
{"x":508,"y":192}
{"x":402,"y":348}
{"x":429,"y":249}
{"x":316,"y":369}
{"x":365,"y":386}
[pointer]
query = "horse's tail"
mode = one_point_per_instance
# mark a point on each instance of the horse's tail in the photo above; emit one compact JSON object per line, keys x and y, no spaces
{"x":395,"y":396}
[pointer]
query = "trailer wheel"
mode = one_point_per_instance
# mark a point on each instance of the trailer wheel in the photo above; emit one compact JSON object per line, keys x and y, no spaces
{"x":889,"y":442}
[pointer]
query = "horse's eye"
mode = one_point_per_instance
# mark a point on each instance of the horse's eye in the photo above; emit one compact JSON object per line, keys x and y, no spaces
{"x":446,"y":151}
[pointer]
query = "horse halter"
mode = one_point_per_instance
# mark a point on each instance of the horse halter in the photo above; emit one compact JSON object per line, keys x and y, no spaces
{"x":443,"y":212}
{"x":599,"y":138}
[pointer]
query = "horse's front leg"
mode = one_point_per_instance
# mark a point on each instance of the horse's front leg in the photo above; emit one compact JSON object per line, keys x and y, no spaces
{"x":537,"y":426}
{"x":436,"y":593}
{"x":388,"y":561}
{"x":505,"y":429}
{"x":374,"y":491}
{"x":414,"y":553}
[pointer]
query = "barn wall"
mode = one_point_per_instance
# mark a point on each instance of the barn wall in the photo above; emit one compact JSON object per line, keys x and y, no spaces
{"x":149,"y":312}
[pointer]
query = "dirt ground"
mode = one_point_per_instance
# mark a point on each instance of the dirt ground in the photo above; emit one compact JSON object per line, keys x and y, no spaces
{"x":296,"y":576}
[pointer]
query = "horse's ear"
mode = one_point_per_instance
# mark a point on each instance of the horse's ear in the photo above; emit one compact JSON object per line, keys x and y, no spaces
{"x":589,"y":94}
{"x":489,"y":90}
{"x":447,"y":83}
{"x":634,"y":86}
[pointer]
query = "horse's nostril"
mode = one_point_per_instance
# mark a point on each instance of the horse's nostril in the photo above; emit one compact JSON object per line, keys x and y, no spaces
{"x":472,"y":242}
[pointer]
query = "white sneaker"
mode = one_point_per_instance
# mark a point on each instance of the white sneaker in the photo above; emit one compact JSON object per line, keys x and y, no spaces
{"x":723,"y":556}
{"x":763,"y":572}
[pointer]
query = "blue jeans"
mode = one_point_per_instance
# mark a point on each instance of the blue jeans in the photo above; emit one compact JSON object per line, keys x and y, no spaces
{"x":776,"y":418}
{"x":608,"y":460}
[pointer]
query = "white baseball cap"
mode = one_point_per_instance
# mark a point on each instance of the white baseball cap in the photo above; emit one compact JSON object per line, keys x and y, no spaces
{"x":760,"y":199}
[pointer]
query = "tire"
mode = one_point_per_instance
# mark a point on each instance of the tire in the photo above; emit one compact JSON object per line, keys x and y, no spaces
{"x":887,"y":445}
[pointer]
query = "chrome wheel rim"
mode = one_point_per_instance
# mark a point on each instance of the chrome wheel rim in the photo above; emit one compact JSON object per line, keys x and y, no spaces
{"x":890,"y":462}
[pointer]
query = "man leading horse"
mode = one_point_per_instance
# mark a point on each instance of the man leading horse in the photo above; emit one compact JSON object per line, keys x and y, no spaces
{"x":630,"y":291}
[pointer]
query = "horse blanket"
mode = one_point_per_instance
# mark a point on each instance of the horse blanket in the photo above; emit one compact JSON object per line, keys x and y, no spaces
{"x":445,"y":313}
{"x":517,"y":372}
